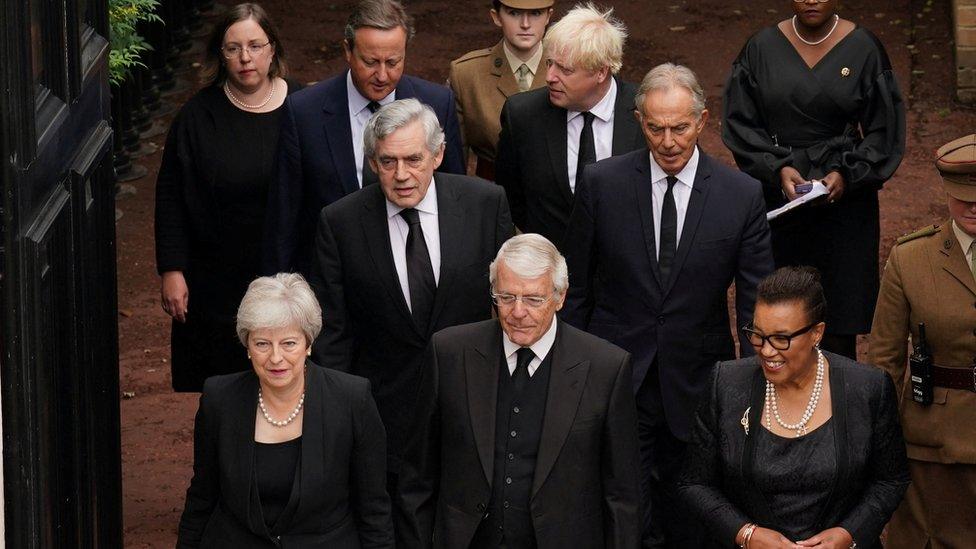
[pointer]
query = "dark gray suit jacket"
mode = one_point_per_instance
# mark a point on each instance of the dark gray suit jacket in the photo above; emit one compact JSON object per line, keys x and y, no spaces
{"x":367,"y":327}
{"x":531,"y":161}
{"x":584,"y":492}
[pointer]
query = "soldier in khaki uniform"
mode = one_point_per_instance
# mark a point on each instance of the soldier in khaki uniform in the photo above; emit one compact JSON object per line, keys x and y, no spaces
{"x":930,"y":278}
{"x":483,"y":79}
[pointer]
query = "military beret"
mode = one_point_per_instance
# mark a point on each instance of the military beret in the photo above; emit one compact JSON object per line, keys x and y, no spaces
{"x":528,"y":4}
{"x":956,"y":161}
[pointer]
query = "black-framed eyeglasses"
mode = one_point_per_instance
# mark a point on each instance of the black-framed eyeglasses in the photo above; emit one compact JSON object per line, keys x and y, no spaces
{"x":780,"y":342}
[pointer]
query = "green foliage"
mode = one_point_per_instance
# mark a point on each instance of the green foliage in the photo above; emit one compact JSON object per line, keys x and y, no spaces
{"x":127,"y":45}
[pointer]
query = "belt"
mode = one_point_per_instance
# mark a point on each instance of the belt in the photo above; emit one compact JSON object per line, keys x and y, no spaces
{"x":962,"y":379}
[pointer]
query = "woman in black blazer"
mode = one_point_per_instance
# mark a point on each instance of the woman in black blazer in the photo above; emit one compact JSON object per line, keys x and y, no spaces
{"x":288,"y":454}
{"x":795,"y":447}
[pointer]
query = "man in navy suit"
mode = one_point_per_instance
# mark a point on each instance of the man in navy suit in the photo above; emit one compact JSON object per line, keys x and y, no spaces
{"x":655,"y":239}
{"x":320,"y":150}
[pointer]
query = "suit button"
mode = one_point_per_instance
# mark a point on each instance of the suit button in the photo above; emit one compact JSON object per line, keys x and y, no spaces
{"x":511,"y":457}
{"x":513,"y":433}
{"x":516,"y":409}
{"x":508,"y":480}
{"x":481,"y":506}
{"x":660,"y":320}
{"x":505,"y":505}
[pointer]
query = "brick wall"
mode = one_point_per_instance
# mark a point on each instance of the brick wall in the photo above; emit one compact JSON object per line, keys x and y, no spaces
{"x":964,"y":12}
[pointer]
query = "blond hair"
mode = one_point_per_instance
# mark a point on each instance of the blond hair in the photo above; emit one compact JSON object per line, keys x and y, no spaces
{"x":588,"y":38}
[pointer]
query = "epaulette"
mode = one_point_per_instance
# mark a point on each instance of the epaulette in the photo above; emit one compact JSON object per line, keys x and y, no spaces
{"x":476,"y":54}
{"x":925,"y":231}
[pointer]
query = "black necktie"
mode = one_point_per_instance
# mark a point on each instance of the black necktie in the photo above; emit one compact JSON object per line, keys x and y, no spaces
{"x":420,"y":273}
{"x":521,"y":374}
{"x":587,"y":146}
{"x":669,"y":231}
{"x":369,"y":176}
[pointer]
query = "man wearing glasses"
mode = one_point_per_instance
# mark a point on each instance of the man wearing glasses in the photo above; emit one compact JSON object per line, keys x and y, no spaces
{"x":525,"y":428}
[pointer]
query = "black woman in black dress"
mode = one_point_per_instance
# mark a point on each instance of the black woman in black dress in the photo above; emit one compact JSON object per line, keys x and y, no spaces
{"x":211,"y":194}
{"x":814,"y":97}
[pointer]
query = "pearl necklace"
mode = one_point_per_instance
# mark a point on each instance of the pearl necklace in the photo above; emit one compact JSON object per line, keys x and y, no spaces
{"x":244,"y":105}
{"x":801,"y":426}
{"x":818,"y":42}
{"x":291,"y":417}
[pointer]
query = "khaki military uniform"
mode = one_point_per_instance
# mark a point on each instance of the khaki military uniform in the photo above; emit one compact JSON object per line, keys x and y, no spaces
{"x":482,"y":80}
{"x":928,"y":280}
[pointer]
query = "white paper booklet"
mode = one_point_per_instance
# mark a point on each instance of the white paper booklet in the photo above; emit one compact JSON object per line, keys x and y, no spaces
{"x":818,"y":190}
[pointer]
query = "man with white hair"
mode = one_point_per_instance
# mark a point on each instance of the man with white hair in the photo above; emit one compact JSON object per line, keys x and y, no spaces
{"x":399,"y":260}
{"x":656,"y":238}
{"x":584,"y":114}
{"x":525,"y":428}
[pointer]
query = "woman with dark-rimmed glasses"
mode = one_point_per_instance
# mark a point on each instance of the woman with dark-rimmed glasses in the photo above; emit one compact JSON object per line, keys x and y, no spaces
{"x":212,"y":191}
{"x":795,"y":447}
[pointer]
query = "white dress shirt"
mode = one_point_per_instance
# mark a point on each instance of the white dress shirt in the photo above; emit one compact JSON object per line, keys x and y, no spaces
{"x":358,"y":117}
{"x":541,"y":349}
{"x":399,"y":229}
{"x":682,"y":194}
{"x":602,"y":132}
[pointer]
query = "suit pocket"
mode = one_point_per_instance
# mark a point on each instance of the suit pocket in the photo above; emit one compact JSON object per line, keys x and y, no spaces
{"x":715,"y":243}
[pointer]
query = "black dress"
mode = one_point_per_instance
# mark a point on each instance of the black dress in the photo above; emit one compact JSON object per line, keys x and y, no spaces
{"x":795,"y":475}
{"x":845,"y":114}
{"x":275,"y":469}
{"x":211,"y":196}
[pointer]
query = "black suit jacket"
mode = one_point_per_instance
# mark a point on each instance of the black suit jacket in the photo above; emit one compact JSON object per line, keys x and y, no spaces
{"x":584,"y":492}
{"x":341,"y":501}
{"x":531,"y":161}
{"x":316,"y":165}
{"x":717,"y":481}
{"x":367,"y":326}
{"x":615,"y":291}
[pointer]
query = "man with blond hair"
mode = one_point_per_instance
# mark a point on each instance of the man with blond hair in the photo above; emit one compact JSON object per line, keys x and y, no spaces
{"x":584,"y":114}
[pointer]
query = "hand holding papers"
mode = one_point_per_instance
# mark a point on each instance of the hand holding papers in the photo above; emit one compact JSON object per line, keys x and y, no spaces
{"x":817,"y":190}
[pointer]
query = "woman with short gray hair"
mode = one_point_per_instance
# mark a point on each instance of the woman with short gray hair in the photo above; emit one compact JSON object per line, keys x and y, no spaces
{"x":287,"y":453}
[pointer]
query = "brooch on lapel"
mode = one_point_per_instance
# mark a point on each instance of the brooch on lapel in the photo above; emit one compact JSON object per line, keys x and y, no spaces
{"x":745,"y":421}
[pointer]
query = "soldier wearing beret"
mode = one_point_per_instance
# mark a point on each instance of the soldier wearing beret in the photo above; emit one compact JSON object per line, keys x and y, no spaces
{"x":930,"y":279}
{"x":483,"y":79}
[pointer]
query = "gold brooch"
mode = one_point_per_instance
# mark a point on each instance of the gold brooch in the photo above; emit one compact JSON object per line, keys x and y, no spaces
{"x":845,"y":72}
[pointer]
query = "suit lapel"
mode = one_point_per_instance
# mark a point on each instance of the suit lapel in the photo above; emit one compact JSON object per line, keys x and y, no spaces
{"x":623,"y":122}
{"x":376,"y":228}
{"x":696,"y":205}
{"x":566,"y":381}
{"x":338,"y":133}
{"x":641,"y":180}
{"x":555,"y":132}
{"x":501,"y":70}
{"x":481,"y":365}
{"x":449,"y":225}
{"x":244,"y":413}
{"x":315,"y":433}
{"x":953,"y":257}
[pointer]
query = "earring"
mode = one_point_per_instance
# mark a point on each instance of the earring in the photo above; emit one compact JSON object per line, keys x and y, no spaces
{"x":309,"y":352}
{"x":248,"y":356}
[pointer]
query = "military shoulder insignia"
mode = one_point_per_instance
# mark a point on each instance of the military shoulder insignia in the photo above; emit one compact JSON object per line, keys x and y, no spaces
{"x":925,"y":231}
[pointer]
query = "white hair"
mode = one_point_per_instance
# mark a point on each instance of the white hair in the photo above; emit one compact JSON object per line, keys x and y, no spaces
{"x":277,"y":302}
{"x":531,"y":255}
{"x":667,"y":76}
{"x":588,"y":38}
{"x":393,"y":116}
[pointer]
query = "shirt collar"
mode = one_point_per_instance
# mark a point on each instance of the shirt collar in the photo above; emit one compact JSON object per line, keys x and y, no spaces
{"x":687,"y":174}
{"x":427,"y":205}
{"x":540,"y":348}
{"x":604,"y":108}
{"x":964,"y":238}
{"x":514,"y":62}
{"x":356,"y":100}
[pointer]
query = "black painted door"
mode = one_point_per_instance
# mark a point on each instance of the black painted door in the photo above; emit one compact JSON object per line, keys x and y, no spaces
{"x":59,"y":344}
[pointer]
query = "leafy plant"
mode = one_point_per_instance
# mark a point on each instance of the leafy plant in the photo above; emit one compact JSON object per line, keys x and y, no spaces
{"x":127,"y":45}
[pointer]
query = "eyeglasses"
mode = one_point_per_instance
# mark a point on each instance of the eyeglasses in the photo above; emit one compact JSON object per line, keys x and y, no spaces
{"x":816,"y":1}
{"x":780,"y":342}
{"x":230,"y":52}
{"x":530,"y":301}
